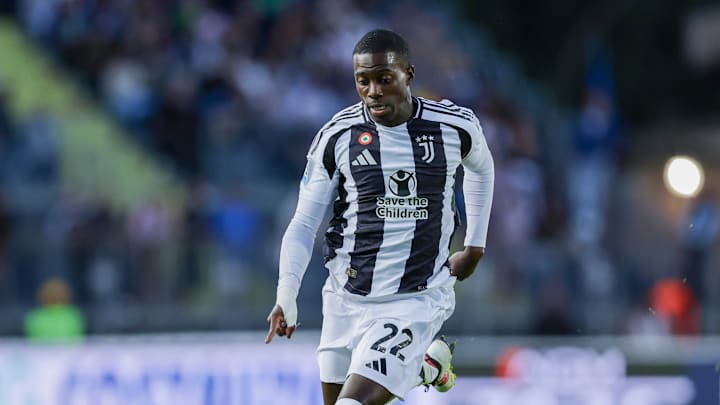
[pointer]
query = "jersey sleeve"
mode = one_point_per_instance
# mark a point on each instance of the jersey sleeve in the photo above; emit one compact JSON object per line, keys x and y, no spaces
{"x":317,"y":189}
{"x":478,"y":186}
{"x":319,"y":179}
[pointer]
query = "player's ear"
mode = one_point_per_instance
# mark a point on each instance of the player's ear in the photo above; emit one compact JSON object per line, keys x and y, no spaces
{"x":410,"y":73}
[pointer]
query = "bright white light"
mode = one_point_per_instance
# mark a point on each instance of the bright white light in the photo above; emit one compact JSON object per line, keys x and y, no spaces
{"x":684,"y":176}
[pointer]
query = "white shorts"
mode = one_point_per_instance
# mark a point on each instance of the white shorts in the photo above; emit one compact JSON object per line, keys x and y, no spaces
{"x":383,"y":340}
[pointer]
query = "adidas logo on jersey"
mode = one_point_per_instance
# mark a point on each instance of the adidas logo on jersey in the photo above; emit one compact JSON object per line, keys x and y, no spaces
{"x":365,"y":158}
{"x":378,"y":365}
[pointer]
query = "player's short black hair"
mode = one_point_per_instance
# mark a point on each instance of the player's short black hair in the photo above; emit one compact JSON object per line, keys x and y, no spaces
{"x":383,"y":41}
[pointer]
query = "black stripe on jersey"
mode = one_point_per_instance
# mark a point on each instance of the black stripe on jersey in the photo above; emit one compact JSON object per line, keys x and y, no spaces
{"x":447,"y":112}
{"x":465,"y":140}
{"x":431,"y":178}
{"x":334,"y":234}
{"x":329,"y":153}
{"x":370,"y":184}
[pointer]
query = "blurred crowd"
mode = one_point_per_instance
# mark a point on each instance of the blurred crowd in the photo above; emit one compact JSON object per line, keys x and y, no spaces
{"x":229,"y":93}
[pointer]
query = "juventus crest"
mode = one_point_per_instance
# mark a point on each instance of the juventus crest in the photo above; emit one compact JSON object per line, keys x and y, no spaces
{"x":426,"y":141}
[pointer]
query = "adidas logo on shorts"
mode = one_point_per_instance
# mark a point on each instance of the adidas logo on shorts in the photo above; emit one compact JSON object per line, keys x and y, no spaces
{"x":378,"y":365}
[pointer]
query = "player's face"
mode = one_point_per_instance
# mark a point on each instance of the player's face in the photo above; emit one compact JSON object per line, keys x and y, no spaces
{"x":383,"y":82}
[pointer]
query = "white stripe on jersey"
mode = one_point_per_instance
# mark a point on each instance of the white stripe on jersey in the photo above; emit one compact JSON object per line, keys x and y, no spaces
{"x":341,"y":262}
{"x":398,"y":235}
{"x":452,"y":145}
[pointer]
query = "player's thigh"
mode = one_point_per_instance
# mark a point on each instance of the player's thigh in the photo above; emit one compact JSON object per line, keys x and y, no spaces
{"x":366,"y":391}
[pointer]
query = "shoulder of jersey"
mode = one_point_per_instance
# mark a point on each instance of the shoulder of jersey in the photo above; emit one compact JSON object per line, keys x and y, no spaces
{"x":354,"y":114}
{"x":343,"y":120}
{"x":446,"y":111}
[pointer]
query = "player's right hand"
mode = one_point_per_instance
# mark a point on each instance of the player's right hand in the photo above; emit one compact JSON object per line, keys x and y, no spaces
{"x":283,"y":317}
{"x":463,"y":263}
{"x":278,"y":325}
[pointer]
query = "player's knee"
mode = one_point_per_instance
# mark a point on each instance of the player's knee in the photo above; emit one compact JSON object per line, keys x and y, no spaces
{"x":347,"y":401}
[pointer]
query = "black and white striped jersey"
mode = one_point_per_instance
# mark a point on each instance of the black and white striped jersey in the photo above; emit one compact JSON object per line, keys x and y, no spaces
{"x":393,"y":215}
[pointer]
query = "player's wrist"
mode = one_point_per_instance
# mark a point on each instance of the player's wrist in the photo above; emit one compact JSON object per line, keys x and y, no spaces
{"x":287,"y":300}
{"x":286,"y":293}
{"x":474,"y":253}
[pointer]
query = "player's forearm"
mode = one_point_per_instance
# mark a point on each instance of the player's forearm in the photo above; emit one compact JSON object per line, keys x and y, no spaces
{"x":297,"y":243}
{"x":295,"y":253}
{"x":478,"y":186}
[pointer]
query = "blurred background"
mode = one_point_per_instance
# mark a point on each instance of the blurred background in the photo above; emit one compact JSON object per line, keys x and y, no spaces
{"x":150,"y":154}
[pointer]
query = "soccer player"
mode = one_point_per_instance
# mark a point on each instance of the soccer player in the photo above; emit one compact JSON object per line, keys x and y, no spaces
{"x":389,"y":162}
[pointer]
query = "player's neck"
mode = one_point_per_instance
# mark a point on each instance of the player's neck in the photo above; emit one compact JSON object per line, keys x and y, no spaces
{"x":406,"y":111}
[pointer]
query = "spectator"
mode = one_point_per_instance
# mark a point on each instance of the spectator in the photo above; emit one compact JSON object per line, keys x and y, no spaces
{"x":700,"y":231}
{"x":56,"y":319}
{"x":674,"y":302}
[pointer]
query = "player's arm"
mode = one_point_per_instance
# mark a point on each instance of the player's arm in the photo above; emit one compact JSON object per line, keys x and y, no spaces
{"x":316,"y":190}
{"x":478,"y":191}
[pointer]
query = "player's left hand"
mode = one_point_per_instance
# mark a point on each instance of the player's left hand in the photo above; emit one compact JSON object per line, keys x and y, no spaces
{"x":463,"y":264}
{"x":278,"y":325}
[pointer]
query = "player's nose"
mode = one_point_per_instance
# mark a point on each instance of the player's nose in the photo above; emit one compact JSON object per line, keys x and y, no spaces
{"x":374,"y":90}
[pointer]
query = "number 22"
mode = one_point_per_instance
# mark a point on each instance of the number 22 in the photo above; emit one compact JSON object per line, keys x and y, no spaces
{"x":395,"y":350}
